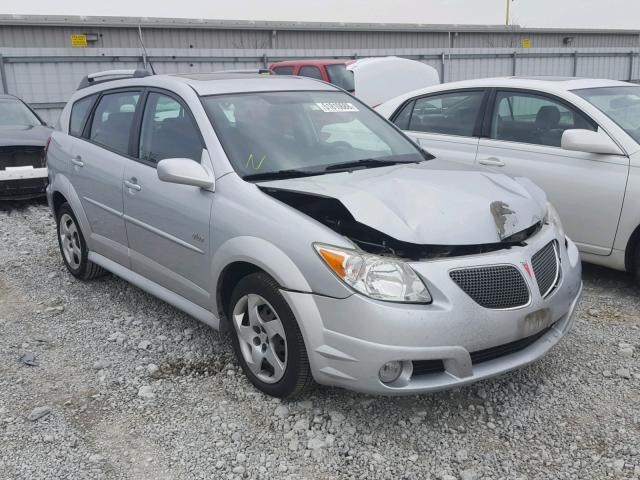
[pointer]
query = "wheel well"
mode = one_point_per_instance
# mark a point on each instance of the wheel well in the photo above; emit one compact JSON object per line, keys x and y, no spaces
{"x":631,"y":250}
{"x":229,"y":278}
{"x":58,"y":199}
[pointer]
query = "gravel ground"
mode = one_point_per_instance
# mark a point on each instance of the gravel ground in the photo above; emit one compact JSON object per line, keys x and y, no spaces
{"x":126,"y":386}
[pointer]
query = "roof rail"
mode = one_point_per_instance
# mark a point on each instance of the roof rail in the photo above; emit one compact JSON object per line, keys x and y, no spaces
{"x":109,"y":75}
{"x":260,"y":71}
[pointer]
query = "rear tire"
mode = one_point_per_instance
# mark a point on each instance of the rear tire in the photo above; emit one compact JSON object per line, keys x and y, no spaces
{"x":636,"y":263}
{"x":73,"y":246}
{"x":266,"y":338}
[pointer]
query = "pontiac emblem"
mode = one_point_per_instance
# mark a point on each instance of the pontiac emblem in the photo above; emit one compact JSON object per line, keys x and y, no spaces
{"x":527,"y":269}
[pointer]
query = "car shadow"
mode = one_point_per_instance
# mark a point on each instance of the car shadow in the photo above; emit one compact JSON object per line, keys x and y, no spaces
{"x":597,"y":276}
{"x":20,"y":205}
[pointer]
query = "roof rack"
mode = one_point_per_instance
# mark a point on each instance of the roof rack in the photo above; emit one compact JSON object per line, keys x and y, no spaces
{"x":109,"y":75}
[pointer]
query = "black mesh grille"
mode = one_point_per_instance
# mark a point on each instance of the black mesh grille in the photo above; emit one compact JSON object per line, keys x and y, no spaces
{"x":546,"y":267}
{"x":426,"y":367}
{"x":497,"y":287}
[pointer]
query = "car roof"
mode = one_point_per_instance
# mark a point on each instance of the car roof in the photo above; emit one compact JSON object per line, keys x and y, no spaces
{"x":547,"y":84}
{"x":218,"y":83}
{"x":315,"y":62}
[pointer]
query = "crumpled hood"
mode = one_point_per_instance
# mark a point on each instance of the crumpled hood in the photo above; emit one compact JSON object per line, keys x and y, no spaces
{"x":435,"y":202}
{"x":24,"y":135}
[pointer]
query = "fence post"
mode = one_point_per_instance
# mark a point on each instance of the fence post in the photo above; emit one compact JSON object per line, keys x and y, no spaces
{"x":3,"y":76}
{"x":575,"y":63}
{"x":443,"y":65}
{"x":265,"y":61}
{"x":631,"y":55}
{"x":515,"y":63}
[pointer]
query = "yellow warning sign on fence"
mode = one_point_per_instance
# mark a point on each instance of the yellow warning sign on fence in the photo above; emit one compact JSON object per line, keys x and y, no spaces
{"x":78,"y":40}
{"x":525,"y":43}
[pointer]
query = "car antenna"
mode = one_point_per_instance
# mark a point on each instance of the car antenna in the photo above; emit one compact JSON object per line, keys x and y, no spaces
{"x":145,"y":56}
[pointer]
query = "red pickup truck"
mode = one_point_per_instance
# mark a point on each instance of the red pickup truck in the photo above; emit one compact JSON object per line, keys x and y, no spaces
{"x":332,"y":71}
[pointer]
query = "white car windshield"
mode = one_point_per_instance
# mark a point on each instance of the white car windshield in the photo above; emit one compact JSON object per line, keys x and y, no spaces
{"x":621,"y":104}
{"x":15,"y":113}
{"x":276,"y":134}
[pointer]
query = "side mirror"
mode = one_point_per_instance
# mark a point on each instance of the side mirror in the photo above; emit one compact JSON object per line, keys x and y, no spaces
{"x":184,"y":171}
{"x":589,"y":142}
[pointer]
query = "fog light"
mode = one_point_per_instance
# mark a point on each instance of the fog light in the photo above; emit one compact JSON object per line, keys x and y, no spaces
{"x":390,"y":371}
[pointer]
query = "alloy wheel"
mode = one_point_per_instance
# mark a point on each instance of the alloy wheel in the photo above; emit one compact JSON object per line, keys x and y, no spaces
{"x":70,"y":241}
{"x":261,"y":336}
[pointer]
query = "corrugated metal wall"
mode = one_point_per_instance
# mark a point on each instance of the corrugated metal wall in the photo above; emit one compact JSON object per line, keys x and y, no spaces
{"x":40,"y":66}
{"x":122,"y":37}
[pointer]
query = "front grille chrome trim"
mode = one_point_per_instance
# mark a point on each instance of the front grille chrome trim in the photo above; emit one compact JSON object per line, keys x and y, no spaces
{"x":539,"y":269}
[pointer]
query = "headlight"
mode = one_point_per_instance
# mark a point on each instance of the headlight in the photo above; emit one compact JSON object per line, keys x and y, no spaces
{"x":382,"y":278}
{"x":552,"y":218}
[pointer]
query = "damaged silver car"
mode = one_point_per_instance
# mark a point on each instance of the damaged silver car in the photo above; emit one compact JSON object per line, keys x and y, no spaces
{"x":329,"y":244}
{"x":23,"y":139}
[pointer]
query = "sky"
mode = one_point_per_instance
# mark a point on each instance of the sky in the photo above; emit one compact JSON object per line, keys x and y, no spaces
{"x":528,"y":13}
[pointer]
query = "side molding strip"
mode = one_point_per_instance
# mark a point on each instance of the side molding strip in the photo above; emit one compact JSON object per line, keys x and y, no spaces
{"x":162,"y":234}
{"x":113,"y":211}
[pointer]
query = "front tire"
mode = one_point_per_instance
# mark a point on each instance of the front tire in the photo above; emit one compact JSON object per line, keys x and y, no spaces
{"x":636,"y":263}
{"x":73,"y":246}
{"x":266,"y":338}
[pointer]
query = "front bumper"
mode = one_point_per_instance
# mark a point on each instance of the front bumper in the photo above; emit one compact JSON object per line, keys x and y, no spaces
{"x":18,"y":183}
{"x":348,"y":340}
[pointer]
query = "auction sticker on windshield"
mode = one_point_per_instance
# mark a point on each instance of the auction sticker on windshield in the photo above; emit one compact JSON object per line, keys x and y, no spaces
{"x":336,"y":107}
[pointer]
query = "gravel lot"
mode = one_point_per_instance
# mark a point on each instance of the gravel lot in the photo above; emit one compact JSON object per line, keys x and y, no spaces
{"x":128,"y":387}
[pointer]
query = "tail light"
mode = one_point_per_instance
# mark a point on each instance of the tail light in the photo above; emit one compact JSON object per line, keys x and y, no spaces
{"x":46,"y":148}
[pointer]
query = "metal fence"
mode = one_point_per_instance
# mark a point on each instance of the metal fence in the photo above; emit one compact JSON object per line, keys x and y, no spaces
{"x":46,"y":77}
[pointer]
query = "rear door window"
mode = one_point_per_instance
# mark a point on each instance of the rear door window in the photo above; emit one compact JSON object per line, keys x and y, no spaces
{"x":168,"y":131}
{"x":113,"y":120}
{"x":79,"y":113}
{"x":283,"y":70}
{"x":452,"y":113}
{"x":311,"y":72}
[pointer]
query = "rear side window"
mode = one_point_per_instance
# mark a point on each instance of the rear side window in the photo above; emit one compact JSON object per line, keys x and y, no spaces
{"x":283,"y":70}
{"x":113,"y":120}
{"x":453,"y":113}
{"x":311,"y":72}
{"x":79,"y":113}
{"x":340,"y":76}
{"x":168,"y":131}
{"x":404,"y":116}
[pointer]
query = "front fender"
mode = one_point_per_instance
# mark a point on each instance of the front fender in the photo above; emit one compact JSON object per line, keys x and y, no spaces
{"x":262,"y":254}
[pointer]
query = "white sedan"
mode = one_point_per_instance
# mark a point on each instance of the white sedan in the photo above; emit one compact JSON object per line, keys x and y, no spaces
{"x":579,"y":139}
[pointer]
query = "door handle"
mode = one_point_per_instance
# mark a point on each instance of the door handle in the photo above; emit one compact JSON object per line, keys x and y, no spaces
{"x":77,"y":161}
{"x":492,"y":162}
{"x":132,"y":184}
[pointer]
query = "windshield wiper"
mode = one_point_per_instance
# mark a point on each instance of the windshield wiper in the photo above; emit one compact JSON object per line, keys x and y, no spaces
{"x":366,"y":163}
{"x":280,"y":174}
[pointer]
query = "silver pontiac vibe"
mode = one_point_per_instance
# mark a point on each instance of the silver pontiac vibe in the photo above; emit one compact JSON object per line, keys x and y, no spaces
{"x":331,"y":247}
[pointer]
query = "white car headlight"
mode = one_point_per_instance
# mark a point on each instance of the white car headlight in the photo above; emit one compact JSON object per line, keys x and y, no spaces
{"x":552,"y":218}
{"x":382,"y":278}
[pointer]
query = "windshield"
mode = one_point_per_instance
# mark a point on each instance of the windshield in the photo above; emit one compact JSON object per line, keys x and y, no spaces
{"x":341,"y":77}
{"x":271,"y":132}
{"x":620,"y":104}
{"x":15,"y":113}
